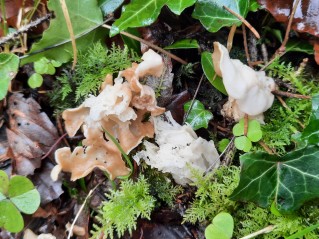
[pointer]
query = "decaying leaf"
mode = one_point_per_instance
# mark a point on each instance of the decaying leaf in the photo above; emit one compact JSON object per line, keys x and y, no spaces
{"x":31,"y":133}
{"x":119,"y":109}
{"x":249,"y":91}
{"x":178,"y":150}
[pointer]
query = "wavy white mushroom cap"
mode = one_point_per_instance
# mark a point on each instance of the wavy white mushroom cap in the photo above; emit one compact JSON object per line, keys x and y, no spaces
{"x":152,"y":64}
{"x":250,"y":89}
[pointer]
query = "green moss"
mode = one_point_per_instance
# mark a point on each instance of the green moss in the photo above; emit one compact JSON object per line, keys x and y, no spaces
{"x":123,"y":208}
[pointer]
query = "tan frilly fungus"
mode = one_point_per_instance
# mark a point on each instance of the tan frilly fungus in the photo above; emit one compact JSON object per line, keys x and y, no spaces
{"x":249,"y":91}
{"x":119,"y":109}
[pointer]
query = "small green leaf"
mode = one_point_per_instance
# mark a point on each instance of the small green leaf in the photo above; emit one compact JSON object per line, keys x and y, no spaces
{"x":290,"y":180}
{"x":274,"y":210}
{"x":221,"y":228}
{"x":213,"y":16}
{"x":51,"y":69}
{"x":9,"y":64}
{"x":299,"y":46}
{"x":19,"y":185}
{"x":222,"y":145}
{"x":243,"y":143}
{"x":56,"y":63}
{"x":253,"y":5}
{"x":254,"y":132}
{"x":109,"y":6}
{"x":198,"y":117}
{"x":35,"y":80}
{"x":208,"y":68}
{"x":27,"y":202}
{"x":183,"y":44}
{"x":10,"y":218}
{"x":239,"y":128}
{"x":178,"y":6}
{"x":41,"y":66}
{"x":4,"y":182}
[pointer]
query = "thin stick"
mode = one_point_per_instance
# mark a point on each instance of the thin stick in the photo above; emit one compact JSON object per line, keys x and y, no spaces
{"x":176,"y":58}
{"x":231,"y":37}
{"x":290,"y":95}
{"x":246,"y":46}
{"x":262,"y":231}
{"x":243,"y":20}
{"x":246,"y":122}
{"x":53,"y":146}
{"x":193,"y":100}
{"x":70,"y":29}
{"x":80,"y":210}
{"x":265,"y":146}
{"x":282,"y":48}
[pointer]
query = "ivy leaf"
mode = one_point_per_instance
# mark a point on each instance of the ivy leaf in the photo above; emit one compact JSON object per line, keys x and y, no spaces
{"x":178,"y":6}
{"x":137,"y":14}
{"x":10,"y":219}
{"x":9,"y":64}
{"x":213,"y":16}
{"x":208,"y":68}
{"x":198,"y":117}
{"x":109,"y":6}
{"x":183,"y":44}
{"x":290,"y":180}
{"x":85,"y":17}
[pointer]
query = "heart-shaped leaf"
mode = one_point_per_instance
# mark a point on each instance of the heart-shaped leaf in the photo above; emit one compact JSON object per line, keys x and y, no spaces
{"x":4,"y":182}
{"x":221,"y":228}
{"x":9,"y":64}
{"x":23,"y":194}
{"x":198,"y":117}
{"x":290,"y":180}
{"x":208,"y":68}
{"x":10,"y":219}
{"x":254,"y":133}
{"x":243,"y":143}
{"x":239,"y":128}
{"x":35,"y":80}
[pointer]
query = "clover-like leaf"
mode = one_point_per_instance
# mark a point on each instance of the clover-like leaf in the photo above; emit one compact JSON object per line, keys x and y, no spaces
{"x":208,"y":68}
{"x":9,"y":64}
{"x":213,"y":16}
{"x":183,"y":44}
{"x":254,"y":132}
{"x":222,"y":145}
{"x":10,"y":219}
{"x":290,"y":180}
{"x":221,"y":228}
{"x":22,"y":193}
{"x":35,"y":80}
{"x":239,"y":128}
{"x":198,"y":117}
{"x":243,"y":143}
{"x":4,"y":182}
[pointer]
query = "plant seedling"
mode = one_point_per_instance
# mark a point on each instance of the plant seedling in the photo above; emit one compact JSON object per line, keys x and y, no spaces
{"x":42,"y":66}
{"x":254,"y":134}
{"x":222,"y":227}
{"x":198,"y":117}
{"x":16,"y":195}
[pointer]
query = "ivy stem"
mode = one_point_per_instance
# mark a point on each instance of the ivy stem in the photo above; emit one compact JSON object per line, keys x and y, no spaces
{"x":176,"y":58}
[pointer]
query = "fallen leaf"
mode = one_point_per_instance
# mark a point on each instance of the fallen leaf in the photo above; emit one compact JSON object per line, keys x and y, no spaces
{"x":30,"y":135}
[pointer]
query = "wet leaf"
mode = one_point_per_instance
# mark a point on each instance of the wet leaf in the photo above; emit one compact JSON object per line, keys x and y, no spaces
{"x":183,"y":44}
{"x":208,"y":68}
{"x":213,"y":16}
{"x":31,"y":133}
{"x":177,"y":6}
{"x":9,"y":64}
{"x":198,"y":117}
{"x":85,"y":17}
{"x":290,"y":180}
{"x":109,"y":6}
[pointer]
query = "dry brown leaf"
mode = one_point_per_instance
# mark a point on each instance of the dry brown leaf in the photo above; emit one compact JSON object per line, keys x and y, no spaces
{"x":31,"y":133}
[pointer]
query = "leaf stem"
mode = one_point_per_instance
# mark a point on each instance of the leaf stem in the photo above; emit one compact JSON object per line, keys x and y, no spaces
{"x":262,"y":231}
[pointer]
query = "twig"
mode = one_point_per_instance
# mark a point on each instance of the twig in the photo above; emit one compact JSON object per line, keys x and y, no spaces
{"x":176,"y":58}
{"x":262,"y":231}
{"x":243,"y":20}
{"x":231,"y":37}
{"x":70,"y":29}
{"x":23,"y":29}
{"x":53,"y":146}
{"x":80,"y":210}
{"x":290,"y":95}
{"x":193,"y":100}
{"x":246,"y":121}
{"x":246,"y":46}
{"x":282,"y":48}
{"x":266,"y":148}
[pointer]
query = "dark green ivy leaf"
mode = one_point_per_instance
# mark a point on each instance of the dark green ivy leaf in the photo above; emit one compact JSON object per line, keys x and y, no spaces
{"x":198,"y":117}
{"x":290,"y":180}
